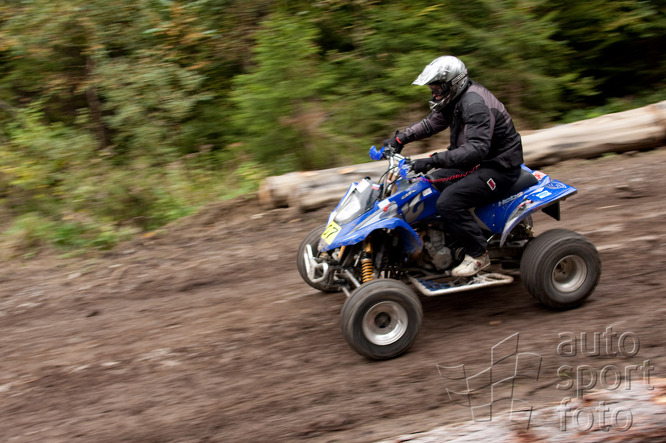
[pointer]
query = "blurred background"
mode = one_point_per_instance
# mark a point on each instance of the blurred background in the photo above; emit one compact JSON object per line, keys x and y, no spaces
{"x":117,"y":117}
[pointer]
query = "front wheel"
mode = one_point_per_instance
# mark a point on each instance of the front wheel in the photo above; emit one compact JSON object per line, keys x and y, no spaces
{"x":381,"y":319}
{"x":560,"y":268}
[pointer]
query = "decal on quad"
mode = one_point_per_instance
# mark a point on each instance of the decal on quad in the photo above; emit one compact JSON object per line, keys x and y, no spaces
{"x":331,"y":231}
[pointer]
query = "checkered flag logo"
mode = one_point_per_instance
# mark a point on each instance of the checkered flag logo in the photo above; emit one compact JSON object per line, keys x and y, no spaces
{"x":494,"y":386}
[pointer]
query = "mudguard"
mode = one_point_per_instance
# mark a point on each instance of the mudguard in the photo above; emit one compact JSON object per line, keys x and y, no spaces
{"x":546,"y":193}
{"x":356,"y":234}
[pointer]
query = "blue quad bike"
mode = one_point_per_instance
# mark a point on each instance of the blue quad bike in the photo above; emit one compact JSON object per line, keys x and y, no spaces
{"x":385,"y":241}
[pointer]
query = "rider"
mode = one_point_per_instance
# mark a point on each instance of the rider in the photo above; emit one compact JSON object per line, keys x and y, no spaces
{"x":482,"y":162}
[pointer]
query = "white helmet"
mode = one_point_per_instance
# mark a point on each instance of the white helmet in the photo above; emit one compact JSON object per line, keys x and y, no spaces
{"x":448,"y":71}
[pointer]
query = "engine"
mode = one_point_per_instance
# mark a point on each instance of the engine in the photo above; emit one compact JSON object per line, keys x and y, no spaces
{"x":435,"y":253}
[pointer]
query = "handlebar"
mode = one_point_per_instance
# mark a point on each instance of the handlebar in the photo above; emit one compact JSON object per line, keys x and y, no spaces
{"x":399,"y":167}
{"x":397,"y":162}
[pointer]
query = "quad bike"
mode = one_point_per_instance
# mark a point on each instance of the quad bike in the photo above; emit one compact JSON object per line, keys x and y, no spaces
{"x":385,"y":240}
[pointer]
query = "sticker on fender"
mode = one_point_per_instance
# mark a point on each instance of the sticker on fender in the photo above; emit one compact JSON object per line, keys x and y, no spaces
{"x":331,"y":231}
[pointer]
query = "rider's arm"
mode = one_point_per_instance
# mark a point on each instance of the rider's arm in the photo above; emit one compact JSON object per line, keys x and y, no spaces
{"x":430,"y":125}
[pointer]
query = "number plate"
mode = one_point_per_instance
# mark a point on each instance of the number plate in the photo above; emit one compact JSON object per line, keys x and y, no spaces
{"x":331,"y":231}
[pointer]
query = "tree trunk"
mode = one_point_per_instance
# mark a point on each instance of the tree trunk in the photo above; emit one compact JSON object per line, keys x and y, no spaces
{"x":95,"y":107}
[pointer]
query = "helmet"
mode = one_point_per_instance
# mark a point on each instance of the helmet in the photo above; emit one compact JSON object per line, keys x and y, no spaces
{"x":450,"y":73}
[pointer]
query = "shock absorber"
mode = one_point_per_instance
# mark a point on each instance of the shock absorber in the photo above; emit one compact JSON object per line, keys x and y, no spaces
{"x":366,"y":263}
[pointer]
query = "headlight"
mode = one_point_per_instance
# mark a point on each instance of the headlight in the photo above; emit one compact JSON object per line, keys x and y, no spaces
{"x":349,"y":210}
{"x":357,"y":202}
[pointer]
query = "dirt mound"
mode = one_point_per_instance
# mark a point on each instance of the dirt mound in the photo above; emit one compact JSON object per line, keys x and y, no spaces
{"x":204,"y":331}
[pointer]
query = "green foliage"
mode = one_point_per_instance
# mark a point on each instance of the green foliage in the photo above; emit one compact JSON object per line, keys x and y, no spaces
{"x":615,"y":105}
{"x":117,"y":117}
{"x":31,"y":232}
{"x":277,"y":100}
{"x":39,"y":157}
{"x":619,"y":44}
{"x":145,"y":103}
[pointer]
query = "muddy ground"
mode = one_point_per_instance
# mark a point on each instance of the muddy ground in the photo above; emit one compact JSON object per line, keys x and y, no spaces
{"x":204,"y":331}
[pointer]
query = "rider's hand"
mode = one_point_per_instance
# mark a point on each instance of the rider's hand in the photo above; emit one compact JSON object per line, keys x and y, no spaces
{"x":397,"y":142}
{"x":422,"y":165}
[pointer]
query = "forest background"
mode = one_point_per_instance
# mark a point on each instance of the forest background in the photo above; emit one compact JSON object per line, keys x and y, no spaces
{"x":117,"y":117}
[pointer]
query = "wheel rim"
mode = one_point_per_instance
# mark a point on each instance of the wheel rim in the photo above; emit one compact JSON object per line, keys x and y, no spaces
{"x":385,"y":323}
{"x":569,"y":273}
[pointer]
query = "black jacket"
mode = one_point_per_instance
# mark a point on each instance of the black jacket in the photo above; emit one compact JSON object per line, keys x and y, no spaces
{"x":482,"y":132}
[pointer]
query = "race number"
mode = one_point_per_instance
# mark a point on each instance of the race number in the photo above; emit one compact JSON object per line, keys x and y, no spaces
{"x":331,"y":231}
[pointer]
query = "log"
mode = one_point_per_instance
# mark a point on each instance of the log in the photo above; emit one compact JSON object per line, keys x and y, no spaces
{"x":307,"y":190}
{"x":641,"y":128}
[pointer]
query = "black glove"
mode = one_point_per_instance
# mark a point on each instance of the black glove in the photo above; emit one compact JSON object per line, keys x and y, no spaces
{"x":422,"y":165}
{"x":397,"y":143}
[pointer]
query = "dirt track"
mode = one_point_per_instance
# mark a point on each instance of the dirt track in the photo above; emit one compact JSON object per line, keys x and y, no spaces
{"x":205,"y":331}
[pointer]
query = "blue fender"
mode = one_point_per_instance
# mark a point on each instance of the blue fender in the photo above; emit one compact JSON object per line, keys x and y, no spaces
{"x":538,"y":197}
{"x":358,"y":233}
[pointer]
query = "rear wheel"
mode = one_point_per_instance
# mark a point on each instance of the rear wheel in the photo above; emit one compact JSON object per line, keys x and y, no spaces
{"x":381,"y":319}
{"x":560,"y":268}
{"x":312,"y":239}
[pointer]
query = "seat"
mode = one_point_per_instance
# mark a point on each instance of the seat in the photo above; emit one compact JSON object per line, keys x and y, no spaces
{"x":525,"y":180}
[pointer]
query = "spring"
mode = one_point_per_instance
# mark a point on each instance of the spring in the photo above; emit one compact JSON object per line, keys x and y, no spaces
{"x":366,"y":268}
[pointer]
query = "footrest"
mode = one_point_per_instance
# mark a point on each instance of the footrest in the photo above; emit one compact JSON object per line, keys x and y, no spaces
{"x":452,"y":285}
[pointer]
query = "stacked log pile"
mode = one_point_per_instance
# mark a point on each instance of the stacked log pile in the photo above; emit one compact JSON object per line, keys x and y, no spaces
{"x":637,"y":129}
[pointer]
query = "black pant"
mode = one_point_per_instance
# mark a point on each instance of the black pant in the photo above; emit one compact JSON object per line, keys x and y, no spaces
{"x":480,"y":187}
